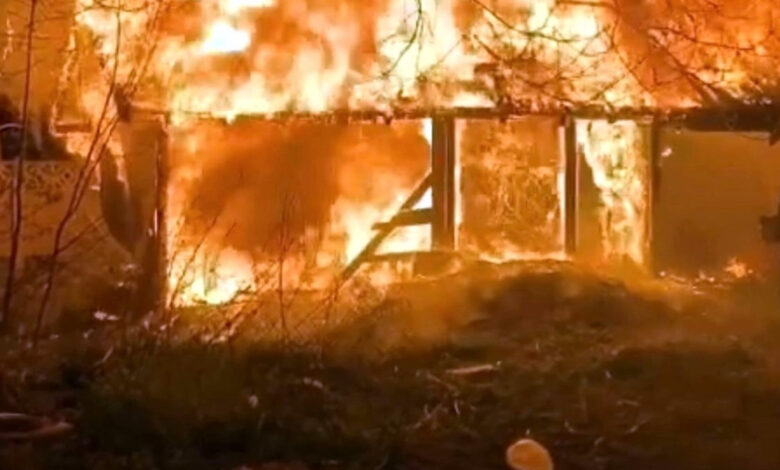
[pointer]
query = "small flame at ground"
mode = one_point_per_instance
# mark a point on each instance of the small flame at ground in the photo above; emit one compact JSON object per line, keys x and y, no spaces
{"x":737,"y":269}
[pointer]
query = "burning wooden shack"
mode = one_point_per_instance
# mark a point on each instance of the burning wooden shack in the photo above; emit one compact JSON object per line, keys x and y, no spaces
{"x":229,"y":122}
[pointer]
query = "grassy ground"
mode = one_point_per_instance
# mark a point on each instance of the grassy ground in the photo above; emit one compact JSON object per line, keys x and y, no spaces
{"x":607,"y":375}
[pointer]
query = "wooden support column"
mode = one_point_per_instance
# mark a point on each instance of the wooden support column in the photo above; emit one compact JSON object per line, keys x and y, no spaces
{"x":154,"y":281}
{"x":571,"y":186}
{"x":443,"y":163}
{"x":653,"y":193}
{"x":161,"y":220}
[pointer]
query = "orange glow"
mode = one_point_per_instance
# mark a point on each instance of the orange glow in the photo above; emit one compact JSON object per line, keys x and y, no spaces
{"x":737,"y":269}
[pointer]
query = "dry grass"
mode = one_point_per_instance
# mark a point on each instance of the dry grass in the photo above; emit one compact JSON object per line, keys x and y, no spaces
{"x":605,"y":374}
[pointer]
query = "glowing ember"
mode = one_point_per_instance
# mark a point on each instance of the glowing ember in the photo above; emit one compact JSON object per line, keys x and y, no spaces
{"x":737,"y":269}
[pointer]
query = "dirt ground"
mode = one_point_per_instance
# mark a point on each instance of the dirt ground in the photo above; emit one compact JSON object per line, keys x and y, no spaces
{"x":442,"y":374}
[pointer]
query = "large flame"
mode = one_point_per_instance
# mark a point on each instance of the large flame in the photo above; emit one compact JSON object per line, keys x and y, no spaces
{"x":286,"y":208}
{"x":618,"y":160}
{"x":229,"y":57}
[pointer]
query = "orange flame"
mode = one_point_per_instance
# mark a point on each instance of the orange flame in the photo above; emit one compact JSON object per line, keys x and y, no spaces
{"x":204,"y":268}
{"x":228,"y":57}
{"x":224,"y":38}
{"x":616,"y":156}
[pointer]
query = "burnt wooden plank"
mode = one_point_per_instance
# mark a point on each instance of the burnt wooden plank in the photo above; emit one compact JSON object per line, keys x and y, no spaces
{"x":654,"y":193}
{"x":739,"y":117}
{"x":406,"y":218}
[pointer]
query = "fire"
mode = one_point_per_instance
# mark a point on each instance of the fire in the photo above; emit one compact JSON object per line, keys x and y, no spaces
{"x":306,"y":55}
{"x":737,"y":269}
{"x":236,"y":6}
{"x":218,"y":252}
{"x":8,"y":46}
{"x":194,"y":278}
{"x":362,"y":62}
{"x":225,"y":38}
{"x":355,"y":220}
{"x":225,"y":58}
{"x":614,"y":152}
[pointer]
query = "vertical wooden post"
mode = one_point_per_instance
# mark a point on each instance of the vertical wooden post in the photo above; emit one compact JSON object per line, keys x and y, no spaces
{"x":154,"y":275}
{"x":160,"y":221}
{"x":653,"y":193}
{"x":443,"y":162}
{"x":571,"y":186}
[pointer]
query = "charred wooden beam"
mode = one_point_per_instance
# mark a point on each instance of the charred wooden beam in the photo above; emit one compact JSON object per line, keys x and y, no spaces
{"x":161,"y":223}
{"x":72,"y":127}
{"x":406,"y":218}
{"x":396,"y":256}
{"x":500,"y":112}
{"x":571,"y":186}
{"x":740,"y":117}
{"x":759,"y":118}
{"x":443,"y":163}
{"x":371,"y":247}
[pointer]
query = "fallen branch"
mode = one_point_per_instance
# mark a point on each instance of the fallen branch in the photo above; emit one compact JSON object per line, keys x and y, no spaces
{"x":471,"y":370}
